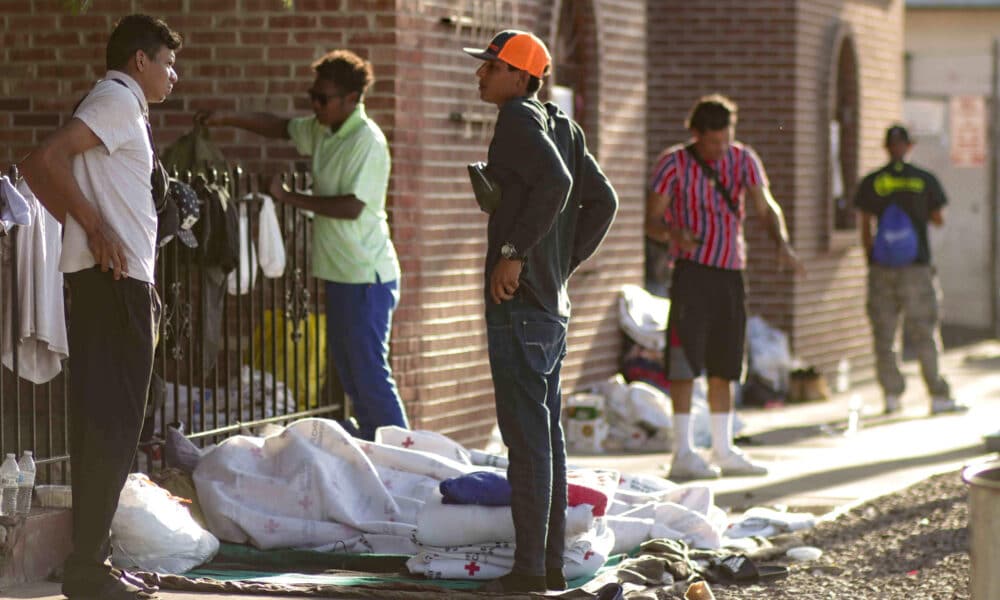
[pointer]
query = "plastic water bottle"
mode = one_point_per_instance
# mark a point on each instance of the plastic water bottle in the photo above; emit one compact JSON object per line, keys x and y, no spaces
{"x":843,"y":375}
{"x":8,"y":485}
{"x":25,"y":482}
{"x":853,"y":414}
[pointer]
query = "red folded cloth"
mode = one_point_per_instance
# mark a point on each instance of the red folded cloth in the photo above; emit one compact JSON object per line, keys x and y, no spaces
{"x":595,"y":488}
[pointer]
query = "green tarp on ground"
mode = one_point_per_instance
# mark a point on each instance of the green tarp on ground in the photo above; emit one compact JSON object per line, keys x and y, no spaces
{"x":236,"y":562}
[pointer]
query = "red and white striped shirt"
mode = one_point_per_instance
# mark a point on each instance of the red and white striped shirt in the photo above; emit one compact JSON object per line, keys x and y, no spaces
{"x":696,"y":205}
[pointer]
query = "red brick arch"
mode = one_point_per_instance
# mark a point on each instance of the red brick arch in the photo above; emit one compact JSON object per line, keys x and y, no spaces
{"x":841,"y":102}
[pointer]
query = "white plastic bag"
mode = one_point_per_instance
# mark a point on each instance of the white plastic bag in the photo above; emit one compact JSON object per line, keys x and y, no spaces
{"x":244,"y":282}
{"x":643,"y":317}
{"x":649,"y":406}
{"x":269,"y":240}
{"x":769,"y":354}
{"x":153,"y":531}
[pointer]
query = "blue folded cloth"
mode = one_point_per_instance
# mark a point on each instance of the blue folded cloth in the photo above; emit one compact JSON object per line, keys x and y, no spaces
{"x":482,"y":487}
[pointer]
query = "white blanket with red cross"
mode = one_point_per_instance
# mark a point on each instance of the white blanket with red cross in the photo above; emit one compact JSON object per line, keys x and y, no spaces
{"x":312,"y":485}
{"x":585,"y":553}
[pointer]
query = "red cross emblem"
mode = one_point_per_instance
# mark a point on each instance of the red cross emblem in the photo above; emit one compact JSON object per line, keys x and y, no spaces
{"x":472,"y":568}
{"x":271,"y":526}
{"x":305,"y":502}
{"x":588,"y":554}
{"x":257,"y":452}
{"x":408,"y":442}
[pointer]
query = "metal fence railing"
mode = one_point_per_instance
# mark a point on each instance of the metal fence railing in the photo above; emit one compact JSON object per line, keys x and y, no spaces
{"x":225,"y":363}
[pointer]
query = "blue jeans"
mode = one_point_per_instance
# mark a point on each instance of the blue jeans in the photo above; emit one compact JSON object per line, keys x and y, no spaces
{"x":358,"y":323}
{"x":526,"y":347}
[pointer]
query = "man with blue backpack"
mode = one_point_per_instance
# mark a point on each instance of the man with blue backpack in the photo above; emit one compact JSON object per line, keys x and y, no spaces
{"x":903,"y":199}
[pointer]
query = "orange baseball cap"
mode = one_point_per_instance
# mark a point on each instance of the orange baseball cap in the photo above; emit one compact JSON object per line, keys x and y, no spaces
{"x":519,"y":49}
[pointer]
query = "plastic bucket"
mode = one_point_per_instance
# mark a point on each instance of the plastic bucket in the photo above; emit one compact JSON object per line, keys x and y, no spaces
{"x":984,"y":528}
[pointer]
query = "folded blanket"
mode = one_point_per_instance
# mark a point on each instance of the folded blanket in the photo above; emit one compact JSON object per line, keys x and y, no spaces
{"x":490,"y":488}
{"x":584,"y":555}
{"x":441,"y":524}
{"x":482,"y":487}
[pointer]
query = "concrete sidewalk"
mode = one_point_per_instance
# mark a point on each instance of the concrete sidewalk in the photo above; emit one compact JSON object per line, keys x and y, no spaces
{"x":814,"y":466}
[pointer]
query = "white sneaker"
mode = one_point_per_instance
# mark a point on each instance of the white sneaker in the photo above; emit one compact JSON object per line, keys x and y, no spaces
{"x":690,"y":465}
{"x":892,"y":404}
{"x":736,"y":463}
{"x":942,"y":404}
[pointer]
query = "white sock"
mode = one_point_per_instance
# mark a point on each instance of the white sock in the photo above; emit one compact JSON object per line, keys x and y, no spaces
{"x":682,"y":433}
{"x":722,"y":433}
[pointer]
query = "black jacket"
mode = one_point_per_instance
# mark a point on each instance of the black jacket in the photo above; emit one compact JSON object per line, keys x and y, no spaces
{"x":913,"y":189}
{"x":557,"y":204}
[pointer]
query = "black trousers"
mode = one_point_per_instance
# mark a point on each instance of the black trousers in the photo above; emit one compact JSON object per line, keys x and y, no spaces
{"x":706,"y":328}
{"x":112,"y":335}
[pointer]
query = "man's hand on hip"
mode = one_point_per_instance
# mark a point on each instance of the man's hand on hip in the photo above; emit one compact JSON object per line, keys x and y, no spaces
{"x":505,"y":279}
{"x":108,"y":249}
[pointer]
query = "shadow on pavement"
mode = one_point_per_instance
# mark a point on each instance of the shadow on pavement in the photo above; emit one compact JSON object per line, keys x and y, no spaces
{"x":767,"y":493}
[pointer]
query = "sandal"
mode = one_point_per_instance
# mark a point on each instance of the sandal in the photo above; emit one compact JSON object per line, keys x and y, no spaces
{"x":136,"y":580}
{"x":738,"y":569}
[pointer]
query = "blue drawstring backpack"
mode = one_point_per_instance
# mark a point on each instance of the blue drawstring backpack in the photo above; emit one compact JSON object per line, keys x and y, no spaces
{"x":896,"y":243}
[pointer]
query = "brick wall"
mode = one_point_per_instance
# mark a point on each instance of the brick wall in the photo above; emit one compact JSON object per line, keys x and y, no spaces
{"x":774,"y":62}
{"x":253,"y":55}
{"x":830,"y":320}
{"x":238,"y":55}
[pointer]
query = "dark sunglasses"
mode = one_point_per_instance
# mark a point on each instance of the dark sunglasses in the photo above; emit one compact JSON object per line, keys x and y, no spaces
{"x":321,"y":98}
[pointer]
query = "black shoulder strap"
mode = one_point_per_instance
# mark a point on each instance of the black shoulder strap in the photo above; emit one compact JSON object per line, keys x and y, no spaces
{"x":160,"y":179}
{"x":713,"y":177}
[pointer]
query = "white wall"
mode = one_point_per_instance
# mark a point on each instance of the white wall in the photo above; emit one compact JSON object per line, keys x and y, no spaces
{"x":950,"y":54}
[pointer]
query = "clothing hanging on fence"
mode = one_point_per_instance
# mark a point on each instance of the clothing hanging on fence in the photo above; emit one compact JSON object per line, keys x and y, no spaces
{"x":218,"y":229}
{"x":218,"y":246}
{"x":14,"y":209}
{"x":41,"y":339}
{"x":242,"y":280}
{"x":270,"y":244}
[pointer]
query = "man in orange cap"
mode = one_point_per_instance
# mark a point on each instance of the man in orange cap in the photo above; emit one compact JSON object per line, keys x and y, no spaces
{"x":556,"y":206}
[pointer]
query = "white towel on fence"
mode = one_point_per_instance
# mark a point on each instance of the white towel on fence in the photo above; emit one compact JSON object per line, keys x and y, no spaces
{"x":41,"y":340}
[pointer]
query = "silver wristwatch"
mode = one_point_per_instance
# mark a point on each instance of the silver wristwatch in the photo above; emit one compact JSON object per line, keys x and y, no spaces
{"x":508,"y":251}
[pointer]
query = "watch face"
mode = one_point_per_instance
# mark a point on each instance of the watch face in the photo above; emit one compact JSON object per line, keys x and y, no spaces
{"x":508,"y":250}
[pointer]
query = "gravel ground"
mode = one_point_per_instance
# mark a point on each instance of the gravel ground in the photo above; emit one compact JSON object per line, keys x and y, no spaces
{"x":912,"y":545}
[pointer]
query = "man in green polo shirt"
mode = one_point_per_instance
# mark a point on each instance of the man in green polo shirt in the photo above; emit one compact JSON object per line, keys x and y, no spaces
{"x":352,"y":251}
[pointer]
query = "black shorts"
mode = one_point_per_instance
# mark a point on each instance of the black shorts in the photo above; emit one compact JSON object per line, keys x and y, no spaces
{"x":706,"y":330}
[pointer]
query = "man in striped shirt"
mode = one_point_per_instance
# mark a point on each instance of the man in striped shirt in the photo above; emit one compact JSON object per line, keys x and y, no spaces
{"x":697,"y":205}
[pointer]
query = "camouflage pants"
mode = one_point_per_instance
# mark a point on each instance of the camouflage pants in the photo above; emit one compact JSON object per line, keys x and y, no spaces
{"x":913,"y":293}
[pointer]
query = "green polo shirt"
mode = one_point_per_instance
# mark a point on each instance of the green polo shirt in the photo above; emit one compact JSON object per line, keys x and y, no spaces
{"x":354,"y":160}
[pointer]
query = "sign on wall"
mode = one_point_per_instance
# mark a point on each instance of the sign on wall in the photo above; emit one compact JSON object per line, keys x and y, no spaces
{"x":967,"y":125}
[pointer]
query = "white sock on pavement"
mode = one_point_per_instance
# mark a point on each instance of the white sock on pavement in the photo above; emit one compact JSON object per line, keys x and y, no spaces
{"x":682,"y":434}
{"x":722,"y":433}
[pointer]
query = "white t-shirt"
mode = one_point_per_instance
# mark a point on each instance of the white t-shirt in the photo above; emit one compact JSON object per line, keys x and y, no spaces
{"x":115,"y":177}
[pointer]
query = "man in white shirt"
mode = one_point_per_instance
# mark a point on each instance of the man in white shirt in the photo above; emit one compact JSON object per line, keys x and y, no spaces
{"x":94,"y":175}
